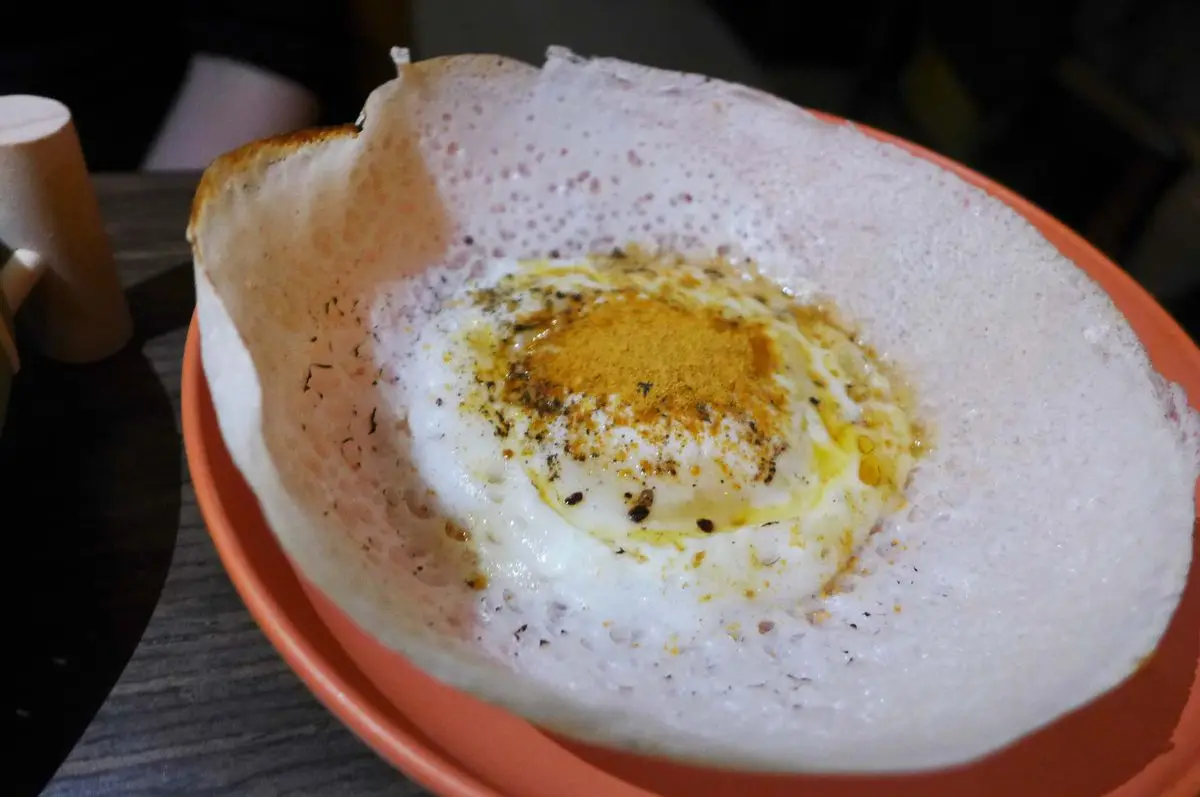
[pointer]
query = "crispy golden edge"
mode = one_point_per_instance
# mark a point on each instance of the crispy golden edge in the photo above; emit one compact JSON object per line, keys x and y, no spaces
{"x":246,"y":162}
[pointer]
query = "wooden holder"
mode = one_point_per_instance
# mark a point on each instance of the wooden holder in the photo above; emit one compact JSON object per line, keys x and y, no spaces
{"x":77,"y":312}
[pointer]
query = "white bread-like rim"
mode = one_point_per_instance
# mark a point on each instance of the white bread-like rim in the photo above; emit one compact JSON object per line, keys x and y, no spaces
{"x":1050,"y":536}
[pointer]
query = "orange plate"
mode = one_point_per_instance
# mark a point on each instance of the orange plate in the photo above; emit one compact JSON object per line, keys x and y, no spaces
{"x":1142,"y":739}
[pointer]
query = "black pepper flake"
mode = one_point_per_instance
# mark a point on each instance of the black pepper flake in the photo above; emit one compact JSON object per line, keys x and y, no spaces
{"x":438,"y":402}
{"x":543,"y":643}
{"x":705,"y":525}
{"x":469,"y":241}
{"x":308,"y":376}
{"x":619,"y":551}
{"x":854,"y":626}
{"x":374,"y":425}
{"x":555,"y":254}
{"x":503,"y":425}
{"x":628,"y":496}
{"x":618,"y":253}
{"x":519,"y":631}
{"x":641,"y":508}
{"x":644,"y":388}
{"x":574,"y":498}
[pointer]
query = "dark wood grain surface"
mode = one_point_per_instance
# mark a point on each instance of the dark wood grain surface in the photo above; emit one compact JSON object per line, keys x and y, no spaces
{"x":139,"y":669}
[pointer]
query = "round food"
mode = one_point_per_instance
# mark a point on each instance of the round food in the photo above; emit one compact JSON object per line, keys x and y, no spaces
{"x":672,"y":418}
{"x":625,"y":420}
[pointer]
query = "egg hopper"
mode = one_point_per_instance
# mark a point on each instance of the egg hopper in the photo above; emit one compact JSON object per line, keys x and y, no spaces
{"x":1141,"y":739}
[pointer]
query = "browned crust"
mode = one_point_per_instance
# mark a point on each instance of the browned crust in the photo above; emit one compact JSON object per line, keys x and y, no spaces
{"x":239,"y":163}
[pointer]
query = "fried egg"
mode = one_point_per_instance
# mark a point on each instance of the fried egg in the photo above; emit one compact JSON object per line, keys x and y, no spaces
{"x":640,"y":421}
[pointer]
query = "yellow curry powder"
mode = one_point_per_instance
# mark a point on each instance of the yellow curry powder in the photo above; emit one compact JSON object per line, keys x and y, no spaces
{"x":659,"y":360}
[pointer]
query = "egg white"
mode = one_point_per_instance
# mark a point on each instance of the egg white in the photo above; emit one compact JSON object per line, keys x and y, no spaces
{"x":536,"y":515}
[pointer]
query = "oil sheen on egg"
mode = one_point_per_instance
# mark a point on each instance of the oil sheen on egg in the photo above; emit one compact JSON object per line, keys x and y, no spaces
{"x":649,"y":424}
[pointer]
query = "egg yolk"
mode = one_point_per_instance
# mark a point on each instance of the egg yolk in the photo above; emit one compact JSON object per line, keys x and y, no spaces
{"x":653,"y":358}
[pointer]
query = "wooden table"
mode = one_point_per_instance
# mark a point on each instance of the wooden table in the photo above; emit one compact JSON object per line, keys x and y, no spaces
{"x":139,"y":669}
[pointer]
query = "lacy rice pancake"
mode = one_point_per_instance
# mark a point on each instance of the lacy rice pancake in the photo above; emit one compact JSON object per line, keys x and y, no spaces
{"x":674,"y":419}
